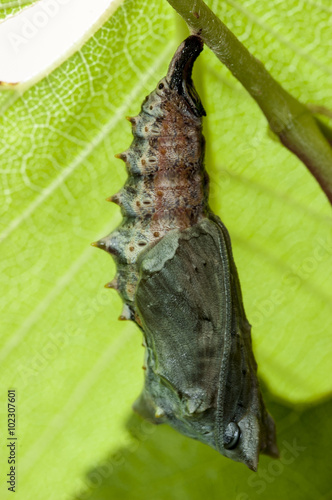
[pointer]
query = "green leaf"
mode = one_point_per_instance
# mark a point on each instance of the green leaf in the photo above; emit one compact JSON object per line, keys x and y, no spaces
{"x":75,"y":368}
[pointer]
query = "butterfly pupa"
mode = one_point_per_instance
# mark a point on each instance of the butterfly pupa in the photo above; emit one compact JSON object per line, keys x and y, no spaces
{"x":177,"y":277}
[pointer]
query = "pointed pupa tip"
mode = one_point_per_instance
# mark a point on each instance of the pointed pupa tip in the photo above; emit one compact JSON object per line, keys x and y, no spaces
{"x":252,"y":463}
{"x":115,"y":198}
{"x":253,"y":467}
{"x":94,"y":244}
{"x":159,"y":413}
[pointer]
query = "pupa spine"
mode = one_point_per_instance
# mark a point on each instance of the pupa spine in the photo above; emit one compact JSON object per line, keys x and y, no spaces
{"x":167,"y":185}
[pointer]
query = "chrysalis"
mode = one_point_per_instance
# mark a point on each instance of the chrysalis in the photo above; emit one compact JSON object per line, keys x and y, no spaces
{"x":178,"y":280}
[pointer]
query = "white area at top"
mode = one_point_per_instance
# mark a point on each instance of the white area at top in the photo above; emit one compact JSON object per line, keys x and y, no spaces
{"x":39,"y":37}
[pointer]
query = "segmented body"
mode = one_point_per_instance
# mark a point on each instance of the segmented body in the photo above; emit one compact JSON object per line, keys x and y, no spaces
{"x":178,"y":280}
{"x":167,"y":186}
